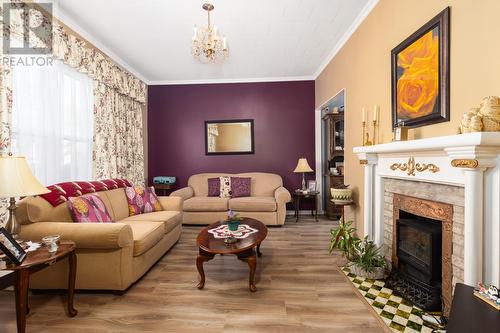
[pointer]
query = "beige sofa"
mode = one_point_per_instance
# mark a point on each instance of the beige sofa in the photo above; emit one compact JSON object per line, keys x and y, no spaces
{"x":110,"y":256}
{"x":267,"y":202}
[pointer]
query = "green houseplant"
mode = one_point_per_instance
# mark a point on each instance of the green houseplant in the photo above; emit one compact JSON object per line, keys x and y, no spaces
{"x":363,"y":255}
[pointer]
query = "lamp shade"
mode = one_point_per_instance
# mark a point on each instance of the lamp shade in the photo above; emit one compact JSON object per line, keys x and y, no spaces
{"x":303,"y":166}
{"x":16,"y":179}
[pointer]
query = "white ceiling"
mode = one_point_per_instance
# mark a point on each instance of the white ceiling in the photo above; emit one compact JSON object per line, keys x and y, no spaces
{"x":269,"y":40}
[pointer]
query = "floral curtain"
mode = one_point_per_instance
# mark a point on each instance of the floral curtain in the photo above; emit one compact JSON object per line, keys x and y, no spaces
{"x":118,"y":149}
{"x":119,"y":99}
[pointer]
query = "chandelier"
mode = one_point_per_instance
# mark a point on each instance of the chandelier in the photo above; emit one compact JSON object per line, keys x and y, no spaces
{"x":208,"y":46}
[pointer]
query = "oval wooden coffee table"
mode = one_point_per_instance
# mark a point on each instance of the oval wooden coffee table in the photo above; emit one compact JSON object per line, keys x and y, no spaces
{"x":245,"y":248}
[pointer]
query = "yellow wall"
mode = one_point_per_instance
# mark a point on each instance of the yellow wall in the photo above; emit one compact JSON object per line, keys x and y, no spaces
{"x":363,"y":67}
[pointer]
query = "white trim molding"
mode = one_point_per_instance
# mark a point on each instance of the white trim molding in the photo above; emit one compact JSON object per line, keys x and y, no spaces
{"x":471,"y":161}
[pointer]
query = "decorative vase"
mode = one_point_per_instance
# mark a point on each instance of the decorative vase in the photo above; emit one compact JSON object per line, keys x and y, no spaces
{"x":377,"y":274}
{"x":233,"y":225}
{"x":341,"y":194}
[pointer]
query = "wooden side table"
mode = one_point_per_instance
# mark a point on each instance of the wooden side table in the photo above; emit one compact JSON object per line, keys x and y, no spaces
{"x":164,"y":189}
{"x":34,"y":262}
{"x":298,"y":196}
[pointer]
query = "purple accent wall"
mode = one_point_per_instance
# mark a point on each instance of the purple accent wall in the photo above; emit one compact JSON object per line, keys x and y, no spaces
{"x":283,"y":114}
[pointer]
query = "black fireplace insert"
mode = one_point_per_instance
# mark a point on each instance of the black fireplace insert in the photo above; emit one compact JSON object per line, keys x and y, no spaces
{"x":417,"y":276}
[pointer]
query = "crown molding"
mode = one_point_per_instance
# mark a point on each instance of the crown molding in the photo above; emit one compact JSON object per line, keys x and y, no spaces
{"x":235,"y":80}
{"x":346,"y":36}
{"x":64,"y":17}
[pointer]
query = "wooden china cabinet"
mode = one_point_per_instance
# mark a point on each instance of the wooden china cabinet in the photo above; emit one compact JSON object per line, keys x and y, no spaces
{"x":334,"y":158}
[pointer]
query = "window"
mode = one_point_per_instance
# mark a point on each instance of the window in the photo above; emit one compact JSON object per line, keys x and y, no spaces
{"x":52,"y":121}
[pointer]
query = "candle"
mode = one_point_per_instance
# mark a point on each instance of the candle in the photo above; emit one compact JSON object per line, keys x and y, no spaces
{"x":195,"y":29}
{"x":364,"y":114}
{"x":224,"y":46}
{"x":376,"y":111}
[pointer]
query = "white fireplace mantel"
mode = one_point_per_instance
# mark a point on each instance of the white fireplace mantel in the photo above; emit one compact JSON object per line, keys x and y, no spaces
{"x":469,"y":160}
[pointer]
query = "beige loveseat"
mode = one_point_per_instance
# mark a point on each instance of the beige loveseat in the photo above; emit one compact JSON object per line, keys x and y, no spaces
{"x":110,"y":256}
{"x":267,"y":202}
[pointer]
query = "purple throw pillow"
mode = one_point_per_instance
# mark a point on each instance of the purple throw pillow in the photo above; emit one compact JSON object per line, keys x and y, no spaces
{"x":240,"y":186}
{"x":213,"y":187}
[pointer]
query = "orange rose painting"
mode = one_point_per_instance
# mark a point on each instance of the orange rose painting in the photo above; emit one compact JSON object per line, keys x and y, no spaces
{"x":417,"y":73}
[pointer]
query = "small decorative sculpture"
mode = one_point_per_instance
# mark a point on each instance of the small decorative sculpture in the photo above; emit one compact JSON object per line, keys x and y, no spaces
{"x":485,"y":118}
{"x":490,"y":111}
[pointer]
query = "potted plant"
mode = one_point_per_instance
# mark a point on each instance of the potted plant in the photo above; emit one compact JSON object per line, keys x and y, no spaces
{"x":367,"y":260}
{"x":363,"y":255}
{"x":233,"y":220}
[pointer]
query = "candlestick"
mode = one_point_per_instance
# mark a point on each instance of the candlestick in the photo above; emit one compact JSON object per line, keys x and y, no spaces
{"x":376,"y":111}
{"x":375,"y":132}
{"x":366,"y":137}
{"x":364,"y":114}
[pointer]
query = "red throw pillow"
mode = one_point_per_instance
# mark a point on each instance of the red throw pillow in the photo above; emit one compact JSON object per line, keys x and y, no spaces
{"x":121,"y":182}
{"x":86,"y":187}
{"x":240,"y":187}
{"x":110,"y":183}
{"x":56,"y":196}
{"x":88,"y":208}
{"x":72,"y":189}
{"x":99,"y":186}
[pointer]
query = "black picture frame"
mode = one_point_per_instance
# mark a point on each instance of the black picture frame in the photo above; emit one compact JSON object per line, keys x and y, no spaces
{"x":251,"y":121}
{"x":10,"y":247}
{"x":441,"y":110}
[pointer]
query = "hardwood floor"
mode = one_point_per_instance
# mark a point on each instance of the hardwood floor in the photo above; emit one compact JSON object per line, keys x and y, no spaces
{"x":300,"y":289}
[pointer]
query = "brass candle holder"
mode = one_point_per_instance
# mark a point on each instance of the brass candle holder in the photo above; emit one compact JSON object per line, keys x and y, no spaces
{"x":366,"y":136}
{"x":375,"y":131}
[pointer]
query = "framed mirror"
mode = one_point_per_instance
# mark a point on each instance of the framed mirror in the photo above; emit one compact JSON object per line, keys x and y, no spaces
{"x":223,"y":137}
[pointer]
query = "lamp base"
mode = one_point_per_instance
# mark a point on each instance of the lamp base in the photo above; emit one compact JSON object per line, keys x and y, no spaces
{"x":12,"y":226}
{"x":303,"y":182}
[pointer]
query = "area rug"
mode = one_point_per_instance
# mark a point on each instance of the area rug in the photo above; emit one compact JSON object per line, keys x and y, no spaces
{"x":397,"y":313}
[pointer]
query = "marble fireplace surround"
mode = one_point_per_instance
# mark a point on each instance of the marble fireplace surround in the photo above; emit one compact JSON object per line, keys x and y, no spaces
{"x":467,"y":163}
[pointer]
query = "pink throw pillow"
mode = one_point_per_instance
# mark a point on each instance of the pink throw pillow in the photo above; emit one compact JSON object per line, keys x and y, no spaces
{"x":88,"y":208}
{"x":142,"y":200}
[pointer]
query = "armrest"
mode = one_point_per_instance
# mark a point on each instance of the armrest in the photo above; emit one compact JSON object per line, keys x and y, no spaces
{"x":185,"y":193}
{"x":171,"y":203}
{"x":282,"y":195}
{"x":85,"y":235}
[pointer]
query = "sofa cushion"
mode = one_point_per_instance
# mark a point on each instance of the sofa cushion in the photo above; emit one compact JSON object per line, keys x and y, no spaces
{"x":170,"y":219}
{"x":253,"y":204}
{"x":146,"y":235}
{"x":205,"y":204}
{"x":118,"y":202}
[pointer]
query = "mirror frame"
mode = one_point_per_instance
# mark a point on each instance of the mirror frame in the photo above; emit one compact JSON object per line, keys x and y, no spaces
{"x":252,"y":151}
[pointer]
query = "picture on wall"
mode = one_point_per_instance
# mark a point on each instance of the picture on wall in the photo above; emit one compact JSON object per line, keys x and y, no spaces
{"x":420,"y":75}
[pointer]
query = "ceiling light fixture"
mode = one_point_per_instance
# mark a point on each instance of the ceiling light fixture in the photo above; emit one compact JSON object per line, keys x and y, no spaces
{"x":208,"y":46}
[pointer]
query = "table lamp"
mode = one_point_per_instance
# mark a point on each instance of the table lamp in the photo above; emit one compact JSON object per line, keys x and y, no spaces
{"x":16,"y":180}
{"x":303,"y":166}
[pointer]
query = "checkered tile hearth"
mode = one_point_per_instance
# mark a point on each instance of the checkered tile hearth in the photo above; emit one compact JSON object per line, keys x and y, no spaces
{"x":399,"y":314}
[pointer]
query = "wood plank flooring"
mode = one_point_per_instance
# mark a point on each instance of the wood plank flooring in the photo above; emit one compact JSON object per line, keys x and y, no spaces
{"x":300,"y":289}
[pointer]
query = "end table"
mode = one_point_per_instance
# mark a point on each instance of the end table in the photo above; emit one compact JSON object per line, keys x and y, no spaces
{"x":298,"y":196}
{"x":164,"y":189}
{"x":34,"y":262}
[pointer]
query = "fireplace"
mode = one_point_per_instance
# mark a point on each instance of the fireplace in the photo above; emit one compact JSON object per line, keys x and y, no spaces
{"x":421,"y":251}
{"x":418,"y":250}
